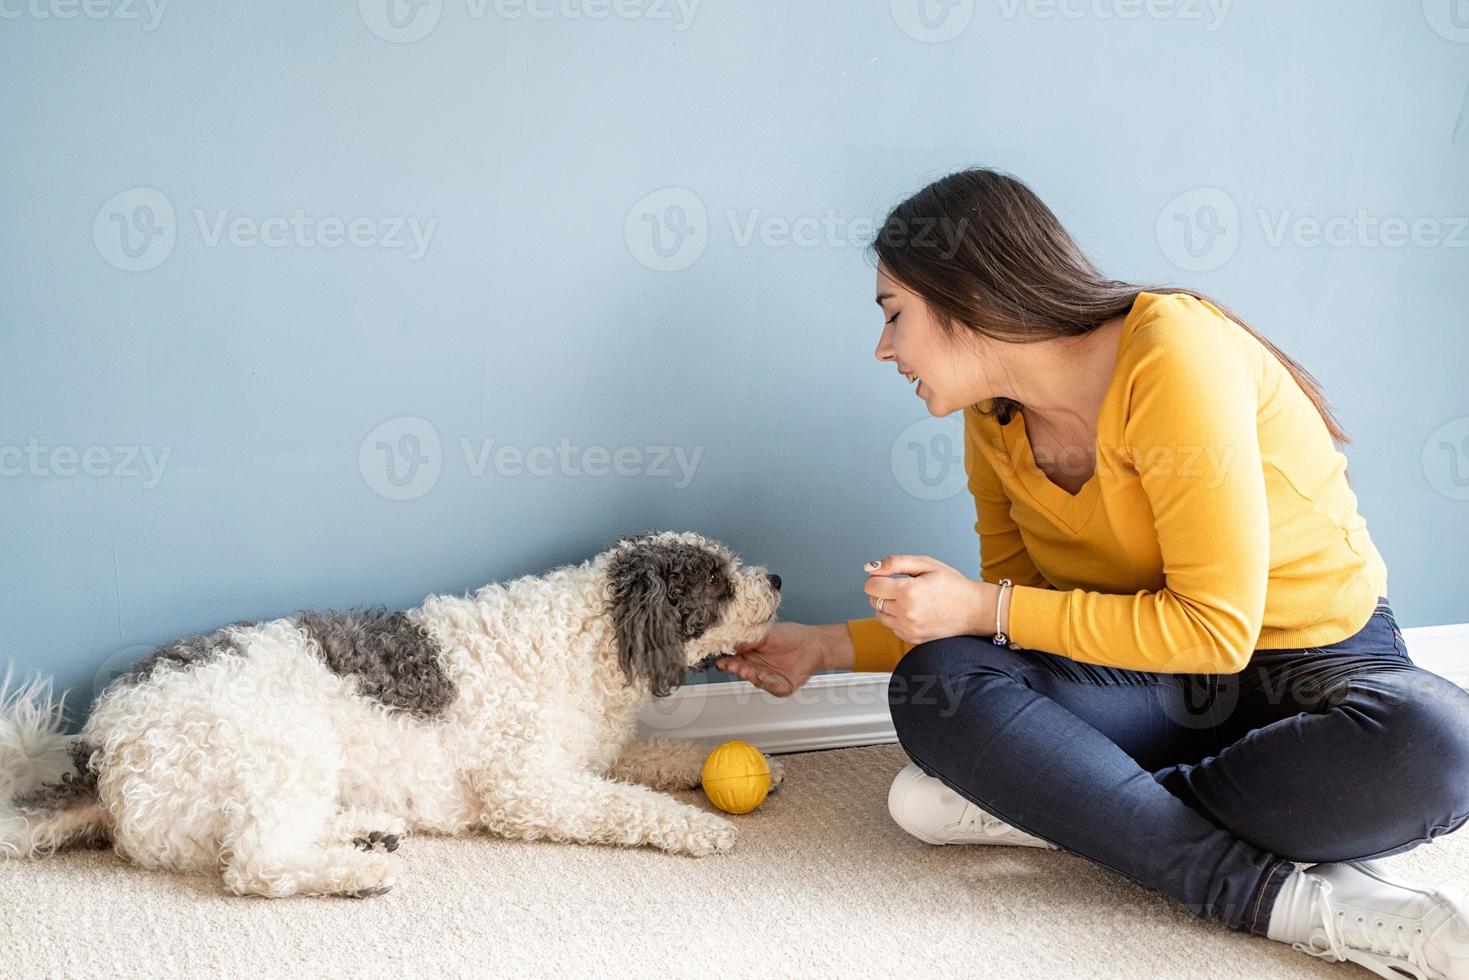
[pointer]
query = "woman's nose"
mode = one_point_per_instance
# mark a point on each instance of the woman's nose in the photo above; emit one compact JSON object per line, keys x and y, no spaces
{"x":774,"y":581}
{"x":885,"y":350}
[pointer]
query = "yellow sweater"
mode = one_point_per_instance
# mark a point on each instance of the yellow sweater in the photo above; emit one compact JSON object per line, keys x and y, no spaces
{"x":1218,"y":520}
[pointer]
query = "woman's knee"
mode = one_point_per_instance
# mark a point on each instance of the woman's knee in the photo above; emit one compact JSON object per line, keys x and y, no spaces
{"x":1425,"y":719}
{"x":924,"y":669}
{"x":930,"y":683}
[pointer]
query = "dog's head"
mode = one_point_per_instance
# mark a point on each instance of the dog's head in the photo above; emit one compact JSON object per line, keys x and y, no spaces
{"x":679,"y":600}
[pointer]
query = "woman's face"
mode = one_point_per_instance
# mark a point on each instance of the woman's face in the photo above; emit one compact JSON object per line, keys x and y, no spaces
{"x":947,"y":374}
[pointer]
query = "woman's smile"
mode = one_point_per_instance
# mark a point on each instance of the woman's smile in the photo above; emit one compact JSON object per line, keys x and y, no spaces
{"x":915,"y":381}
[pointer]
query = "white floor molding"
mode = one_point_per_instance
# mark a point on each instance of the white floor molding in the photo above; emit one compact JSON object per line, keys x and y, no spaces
{"x":841,"y":710}
{"x":1441,"y":649}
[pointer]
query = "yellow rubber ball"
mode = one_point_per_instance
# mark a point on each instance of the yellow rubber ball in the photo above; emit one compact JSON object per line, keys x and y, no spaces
{"x":736,"y":777}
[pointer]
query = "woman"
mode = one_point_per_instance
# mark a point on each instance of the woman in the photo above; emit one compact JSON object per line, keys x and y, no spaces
{"x":1180,"y":662}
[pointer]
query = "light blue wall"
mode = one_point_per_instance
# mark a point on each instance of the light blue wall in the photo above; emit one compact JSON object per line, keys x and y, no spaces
{"x":527,"y":145}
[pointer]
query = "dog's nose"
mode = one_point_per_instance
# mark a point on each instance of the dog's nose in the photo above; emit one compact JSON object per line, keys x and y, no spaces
{"x":774,"y":581}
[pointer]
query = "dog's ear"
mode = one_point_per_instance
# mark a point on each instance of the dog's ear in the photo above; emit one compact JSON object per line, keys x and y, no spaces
{"x":649,"y":633}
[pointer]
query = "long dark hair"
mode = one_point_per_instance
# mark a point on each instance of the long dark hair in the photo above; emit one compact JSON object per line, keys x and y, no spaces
{"x":987,"y":256}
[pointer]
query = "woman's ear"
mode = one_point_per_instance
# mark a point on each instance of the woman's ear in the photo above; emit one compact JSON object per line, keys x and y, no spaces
{"x":649,"y":634}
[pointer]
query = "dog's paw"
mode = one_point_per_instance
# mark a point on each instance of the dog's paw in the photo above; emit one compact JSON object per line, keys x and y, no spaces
{"x":708,"y":834}
{"x":371,"y":830}
{"x":777,"y":771}
{"x":371,"y":876}
{"x":377,"y":840}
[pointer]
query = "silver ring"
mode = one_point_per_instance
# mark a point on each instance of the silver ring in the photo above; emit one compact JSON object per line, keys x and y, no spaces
{"x":880,"y":601}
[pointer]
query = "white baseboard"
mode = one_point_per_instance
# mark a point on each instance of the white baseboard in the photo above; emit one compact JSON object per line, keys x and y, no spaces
{"x":830,"y":711}
{"x":835,"y":711}
{"x":1441,"y":649}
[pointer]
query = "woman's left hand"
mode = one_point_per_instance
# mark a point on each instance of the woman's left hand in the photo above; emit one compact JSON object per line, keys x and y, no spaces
{"x":938,"y":601}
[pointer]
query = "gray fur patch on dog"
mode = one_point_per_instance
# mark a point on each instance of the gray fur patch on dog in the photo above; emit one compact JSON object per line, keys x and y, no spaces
{"x":79,"y":789}
{"x":393,"y":661}
{"x":50,"y":797}
{"x":664,"y":594}
{"x":181,"y":654}
{"x":81,"y":759}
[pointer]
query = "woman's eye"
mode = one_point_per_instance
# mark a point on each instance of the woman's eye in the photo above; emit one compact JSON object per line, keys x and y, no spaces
{"x":891,"y":318}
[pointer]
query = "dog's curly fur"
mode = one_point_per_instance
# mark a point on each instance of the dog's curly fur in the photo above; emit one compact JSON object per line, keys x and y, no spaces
{"x":292,"y":755}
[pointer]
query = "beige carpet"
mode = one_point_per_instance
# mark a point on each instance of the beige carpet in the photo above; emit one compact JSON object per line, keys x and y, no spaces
{"x":822,"y":884}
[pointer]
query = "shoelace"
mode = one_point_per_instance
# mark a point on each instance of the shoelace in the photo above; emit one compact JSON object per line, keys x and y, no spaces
{"x":988,"y":824}
{"x":1373,"y":936}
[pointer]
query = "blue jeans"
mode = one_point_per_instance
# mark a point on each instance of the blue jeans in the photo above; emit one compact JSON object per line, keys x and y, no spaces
{"x":1205,"y":787}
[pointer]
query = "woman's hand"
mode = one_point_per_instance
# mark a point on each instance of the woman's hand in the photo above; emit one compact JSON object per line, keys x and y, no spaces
{"x":788,"y":655}
{"x":938,"y":601}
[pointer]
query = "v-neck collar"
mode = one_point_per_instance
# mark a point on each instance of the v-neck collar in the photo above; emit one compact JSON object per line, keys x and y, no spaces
{"x":1072,"y":511}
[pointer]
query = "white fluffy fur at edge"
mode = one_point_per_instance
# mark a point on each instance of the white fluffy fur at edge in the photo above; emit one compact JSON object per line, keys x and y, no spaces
{"x":33,"y":747}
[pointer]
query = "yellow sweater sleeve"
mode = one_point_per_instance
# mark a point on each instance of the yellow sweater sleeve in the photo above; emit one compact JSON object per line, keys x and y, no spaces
{"x":1002,"y":554}
{"x":1191,"y":437}
{"x":876,"y":648}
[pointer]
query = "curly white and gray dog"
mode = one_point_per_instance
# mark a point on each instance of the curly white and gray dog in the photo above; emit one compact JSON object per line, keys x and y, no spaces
{"x":294,"y":755}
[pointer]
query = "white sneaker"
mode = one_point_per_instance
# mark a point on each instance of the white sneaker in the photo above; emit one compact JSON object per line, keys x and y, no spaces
{"x":1392,"y":928}
{"x":930,"y":811}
